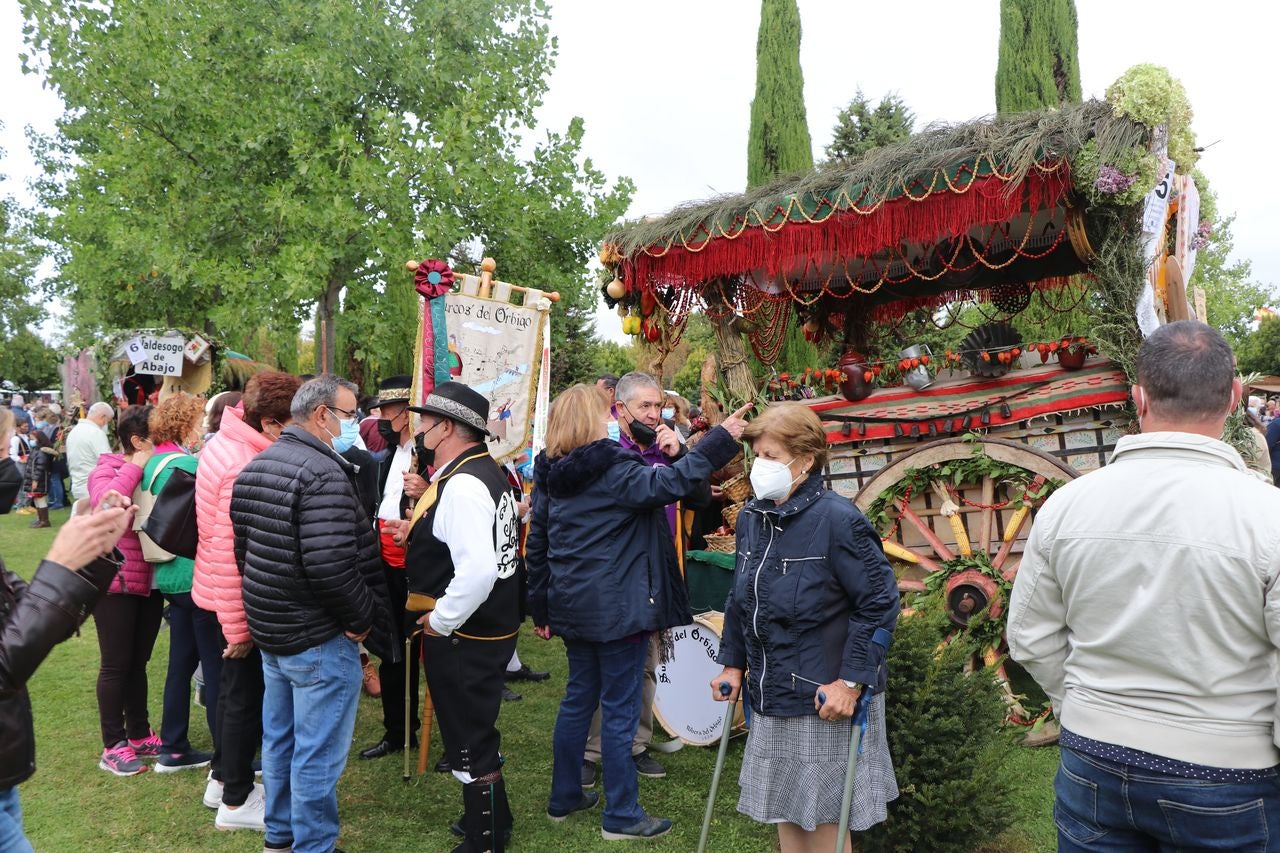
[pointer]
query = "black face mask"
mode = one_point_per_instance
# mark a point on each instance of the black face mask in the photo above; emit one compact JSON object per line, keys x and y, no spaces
{"x":389,"y":434}
{"x":426,"y":455}
{"x":642,"y":433}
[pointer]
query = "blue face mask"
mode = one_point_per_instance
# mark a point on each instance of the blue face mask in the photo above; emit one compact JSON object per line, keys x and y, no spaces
{"x":346,"y":438}
{"x":668,"y":414}
{"x":614,"y":432}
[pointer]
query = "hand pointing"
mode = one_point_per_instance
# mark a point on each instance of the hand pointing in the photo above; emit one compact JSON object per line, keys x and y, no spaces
{"x":735,"y":424}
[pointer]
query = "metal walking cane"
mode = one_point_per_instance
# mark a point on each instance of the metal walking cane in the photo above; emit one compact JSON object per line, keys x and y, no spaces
{"x":860,"y":711}
{"x":725,"y":690}
{"x":881,"y":637}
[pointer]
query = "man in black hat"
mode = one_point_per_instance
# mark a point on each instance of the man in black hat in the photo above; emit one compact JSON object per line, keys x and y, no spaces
{"x":400,"y":484}
{"x":464,"y":593}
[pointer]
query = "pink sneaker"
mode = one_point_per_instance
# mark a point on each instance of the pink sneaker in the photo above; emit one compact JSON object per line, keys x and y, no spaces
{"x":148,"y":747}
{"x":121,"y":760}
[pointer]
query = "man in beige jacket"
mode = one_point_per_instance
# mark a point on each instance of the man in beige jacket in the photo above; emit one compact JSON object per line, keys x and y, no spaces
{"x":1147,"y":608}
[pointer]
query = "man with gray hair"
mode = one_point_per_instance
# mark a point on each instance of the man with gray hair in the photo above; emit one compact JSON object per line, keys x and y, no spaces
{"x":313,"y":589}
{"x":85,"y":443}
{"x":638,"y":401}
{"x":1147,"y":607}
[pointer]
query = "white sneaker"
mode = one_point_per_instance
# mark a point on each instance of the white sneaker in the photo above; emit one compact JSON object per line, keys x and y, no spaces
{"x":212,"y":792}
{"x":251,"y":815}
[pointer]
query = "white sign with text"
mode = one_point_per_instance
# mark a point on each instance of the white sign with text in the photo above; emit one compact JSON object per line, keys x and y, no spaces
{"x":156,"y":356}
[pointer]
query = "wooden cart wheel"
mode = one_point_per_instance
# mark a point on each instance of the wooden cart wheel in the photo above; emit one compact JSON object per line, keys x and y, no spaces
{"x":926,"y":534}
{"x":927,"y":539}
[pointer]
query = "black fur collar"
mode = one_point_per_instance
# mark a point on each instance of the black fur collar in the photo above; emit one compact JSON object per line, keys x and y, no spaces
{"x":571,"y":474}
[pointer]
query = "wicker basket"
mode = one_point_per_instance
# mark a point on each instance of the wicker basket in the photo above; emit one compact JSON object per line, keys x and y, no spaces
{"x":738,"y":489}
{"x":721,"y":544}
{"x":730,"y":514}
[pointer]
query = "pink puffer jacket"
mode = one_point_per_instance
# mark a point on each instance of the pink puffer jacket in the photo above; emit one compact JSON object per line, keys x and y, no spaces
{"x":216,"y":584}
{"x":113,"y":471}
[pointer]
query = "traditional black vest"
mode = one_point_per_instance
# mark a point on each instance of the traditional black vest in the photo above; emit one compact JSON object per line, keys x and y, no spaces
{"x":429,"y":565}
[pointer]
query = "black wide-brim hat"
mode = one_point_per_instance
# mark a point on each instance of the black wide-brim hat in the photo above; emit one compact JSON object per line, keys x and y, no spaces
{"x":393,"y":389}
{"x":457,"y":402}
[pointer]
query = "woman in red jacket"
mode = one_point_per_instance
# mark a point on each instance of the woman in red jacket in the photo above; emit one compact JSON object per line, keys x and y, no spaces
{"x":128,"y":616}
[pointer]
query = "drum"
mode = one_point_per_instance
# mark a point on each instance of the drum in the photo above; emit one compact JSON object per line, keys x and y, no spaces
{"x":682,"y":702}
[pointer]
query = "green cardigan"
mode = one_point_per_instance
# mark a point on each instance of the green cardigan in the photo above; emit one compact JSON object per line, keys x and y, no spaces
{"x":174,"y":576}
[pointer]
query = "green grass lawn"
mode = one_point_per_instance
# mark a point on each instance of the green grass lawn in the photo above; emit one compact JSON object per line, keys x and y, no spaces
{"x":71,"y":805}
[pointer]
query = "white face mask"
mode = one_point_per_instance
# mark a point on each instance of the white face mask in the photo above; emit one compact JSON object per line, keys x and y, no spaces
{"x":771,"y":480}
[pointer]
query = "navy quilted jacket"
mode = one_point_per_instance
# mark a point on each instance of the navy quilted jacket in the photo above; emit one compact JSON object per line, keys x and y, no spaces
{"x":602,"y":563}
{"x":810,"y":589}
{"x":308,"y":550}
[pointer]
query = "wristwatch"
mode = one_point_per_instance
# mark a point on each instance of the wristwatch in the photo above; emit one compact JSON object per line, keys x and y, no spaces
{"x":852,"y":685}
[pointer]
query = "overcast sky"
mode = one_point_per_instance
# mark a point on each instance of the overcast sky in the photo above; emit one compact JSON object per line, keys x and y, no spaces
{"x":665,"y":87}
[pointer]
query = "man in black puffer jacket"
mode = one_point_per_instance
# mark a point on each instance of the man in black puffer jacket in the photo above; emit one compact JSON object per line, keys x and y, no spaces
{"x":313,"y":589}
{"x":36,"y":617}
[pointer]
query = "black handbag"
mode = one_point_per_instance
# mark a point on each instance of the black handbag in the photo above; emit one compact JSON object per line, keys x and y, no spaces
{"x":172,"y":522}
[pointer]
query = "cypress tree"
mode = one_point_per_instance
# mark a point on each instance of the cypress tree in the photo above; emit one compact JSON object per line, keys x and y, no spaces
{"x":1038,"y":66}
{"x":779,"y":142}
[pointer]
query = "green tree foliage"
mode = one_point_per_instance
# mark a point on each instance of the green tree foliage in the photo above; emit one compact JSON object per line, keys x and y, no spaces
{"x":27,"y":362}
{"x":1231,"y":295}
{"x":1038,"y":66}
{"x":861,"y":126}
{"x":613,"y":357}
{"x":945,"y":737}
{"x":19,"y":256}
{"x":1260,"y":352}
{"x":221,"y":162}
{"x":779,"y":142}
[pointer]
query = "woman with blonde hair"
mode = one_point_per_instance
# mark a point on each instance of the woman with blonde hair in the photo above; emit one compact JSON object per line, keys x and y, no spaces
{"x":177,"y":427}
{"x":603,"y":576}
{"x":811,"y":612}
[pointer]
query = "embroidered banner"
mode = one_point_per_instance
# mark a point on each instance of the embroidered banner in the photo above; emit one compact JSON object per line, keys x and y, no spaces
{"x":496,"y":348}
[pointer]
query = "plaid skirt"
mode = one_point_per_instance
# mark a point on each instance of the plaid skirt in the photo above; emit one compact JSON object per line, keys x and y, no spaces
{"x":793,"y":771}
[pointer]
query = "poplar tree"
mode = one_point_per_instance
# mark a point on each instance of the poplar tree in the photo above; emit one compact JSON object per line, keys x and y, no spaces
{"x":779,"y":144}
{"x":779,"y":141}
{"x":1038,"y":66}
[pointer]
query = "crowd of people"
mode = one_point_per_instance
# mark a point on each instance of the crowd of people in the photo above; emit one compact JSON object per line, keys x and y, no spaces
{"x":321,"y":536}
{"x":1146,"y":607}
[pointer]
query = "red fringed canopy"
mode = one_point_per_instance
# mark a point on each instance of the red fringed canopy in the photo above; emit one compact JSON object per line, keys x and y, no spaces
{"x":773,"y":243}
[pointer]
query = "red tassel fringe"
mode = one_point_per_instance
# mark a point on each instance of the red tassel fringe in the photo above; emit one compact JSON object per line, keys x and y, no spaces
{"x":850,"y":234}
{"x":896,"y":310}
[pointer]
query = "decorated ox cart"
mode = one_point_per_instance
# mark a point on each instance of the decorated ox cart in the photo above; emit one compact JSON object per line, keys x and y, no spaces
{"x":983,"y":289}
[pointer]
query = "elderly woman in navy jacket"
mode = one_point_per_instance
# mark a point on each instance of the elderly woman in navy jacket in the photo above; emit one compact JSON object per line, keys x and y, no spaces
{"x":811,"y":610}
{"x":603,"y":575}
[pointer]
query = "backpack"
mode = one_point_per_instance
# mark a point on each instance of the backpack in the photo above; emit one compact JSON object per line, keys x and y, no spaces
{"x":145,"y":500}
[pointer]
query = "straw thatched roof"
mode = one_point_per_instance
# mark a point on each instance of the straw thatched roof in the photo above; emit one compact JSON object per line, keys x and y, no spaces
{"x":852,"y":218}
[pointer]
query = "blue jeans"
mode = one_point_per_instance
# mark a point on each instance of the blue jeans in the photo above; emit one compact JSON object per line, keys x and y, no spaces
{"x":608,"y":675}
{"x":57,"y":492}
{"x":12,"y":839}
{"x":193,"y":639}
{"x":1105,"y":805}
{"x":308,"y":716}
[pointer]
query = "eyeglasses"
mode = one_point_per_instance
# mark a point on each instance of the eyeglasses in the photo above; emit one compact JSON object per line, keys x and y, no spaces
{"x":343,"y":412}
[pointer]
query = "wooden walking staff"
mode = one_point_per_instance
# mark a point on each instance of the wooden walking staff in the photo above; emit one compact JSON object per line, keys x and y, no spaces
{"x":408,"y":698}
{"x":424,"y":736}
{"x":424,"y":604}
